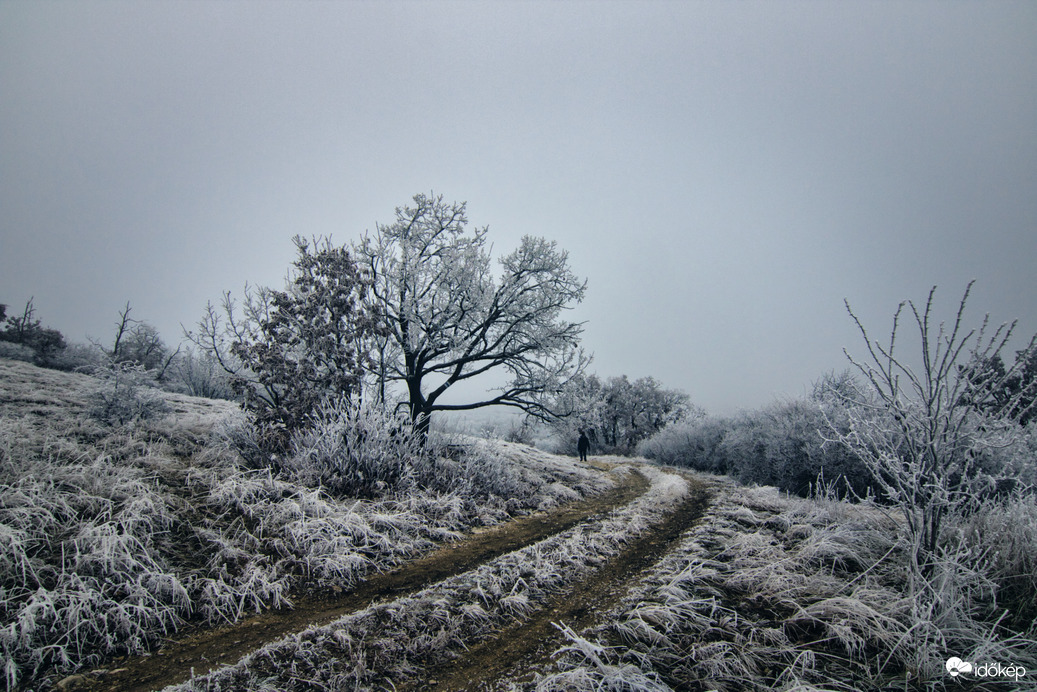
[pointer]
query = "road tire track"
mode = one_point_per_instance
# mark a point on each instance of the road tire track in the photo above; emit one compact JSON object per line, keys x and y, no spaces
{"x":208,"y":649}
{"x":522,"y":648}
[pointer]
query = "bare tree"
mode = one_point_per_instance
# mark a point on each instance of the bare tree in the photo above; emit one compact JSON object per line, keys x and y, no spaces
{"x":26,"y":329}
{"x":138,"y":343}
{"x":122,"y":327}
{"x":930,"y":426}
{"x":450,"y":319}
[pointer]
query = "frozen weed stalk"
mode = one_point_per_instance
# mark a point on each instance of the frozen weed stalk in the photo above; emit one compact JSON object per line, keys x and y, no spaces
{"x":932,"y":436}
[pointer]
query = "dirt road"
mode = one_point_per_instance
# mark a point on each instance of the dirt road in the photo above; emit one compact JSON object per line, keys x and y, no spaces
{"x":201,"y":651}
{"x":518,"y":651}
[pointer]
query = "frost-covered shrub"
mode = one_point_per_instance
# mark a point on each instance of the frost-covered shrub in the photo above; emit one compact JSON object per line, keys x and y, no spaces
{"x":236,"y":434}
{"x":472,"y":468}
{"x":353,"y":449}
{"x":780,"y":445}
{"x":126,"y":393}
{"x":85,"y":358}
{"x":935,"y":436}
{"x":25,"y":329}
{"x":198,"y":375}
{"x":930,"y":435}
{"x":693,"y":443}
{"x":15,"y":351}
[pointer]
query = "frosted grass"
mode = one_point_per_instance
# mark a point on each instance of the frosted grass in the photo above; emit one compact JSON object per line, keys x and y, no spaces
{"x":392,"y":642}
{"x":770,"y":592}
{"x":113,"y":536}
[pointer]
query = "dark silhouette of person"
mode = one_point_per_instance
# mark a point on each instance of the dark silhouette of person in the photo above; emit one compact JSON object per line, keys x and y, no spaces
{"x":583,"y":445}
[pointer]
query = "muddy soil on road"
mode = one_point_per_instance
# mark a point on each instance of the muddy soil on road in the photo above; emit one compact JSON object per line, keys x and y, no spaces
{"x":208,"y":649}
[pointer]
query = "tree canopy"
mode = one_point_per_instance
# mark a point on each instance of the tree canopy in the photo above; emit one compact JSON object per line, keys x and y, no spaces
{"x":449,"y":317}
{"x":288,"y":351}
{"x":618,"y":413}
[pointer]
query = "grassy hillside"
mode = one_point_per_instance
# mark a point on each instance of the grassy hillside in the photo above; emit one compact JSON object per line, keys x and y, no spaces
{"x":113,"y":536}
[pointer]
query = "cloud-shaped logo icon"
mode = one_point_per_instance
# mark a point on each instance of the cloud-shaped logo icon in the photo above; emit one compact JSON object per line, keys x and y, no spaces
{"x":955,"y":666}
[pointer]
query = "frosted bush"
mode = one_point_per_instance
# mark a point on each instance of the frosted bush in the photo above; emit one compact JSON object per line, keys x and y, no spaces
{"x":479,"y":470}
{"x":779,"y":444}
{"x":126,"y":394}
{"x":353,"y":449}
{"x":78,"y":358}
{"x":693,"y":443}
{"x":199,"y":374}
{"x":16,"y":351}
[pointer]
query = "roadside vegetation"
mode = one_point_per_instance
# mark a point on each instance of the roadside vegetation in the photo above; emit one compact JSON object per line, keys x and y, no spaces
{"x":940,"y":441}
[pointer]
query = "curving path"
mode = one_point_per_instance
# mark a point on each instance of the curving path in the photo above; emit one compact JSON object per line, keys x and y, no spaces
{"x":205,"y":650}
{"x":518,"y":651}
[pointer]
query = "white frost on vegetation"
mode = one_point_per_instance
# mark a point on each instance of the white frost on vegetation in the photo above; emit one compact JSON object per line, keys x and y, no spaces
{"x":113,"y":536}
{"x":391,"y":642}
{"x":771,"y":592}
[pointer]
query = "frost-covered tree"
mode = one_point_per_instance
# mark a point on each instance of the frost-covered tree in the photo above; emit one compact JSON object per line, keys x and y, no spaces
{"x":619,"y":413}
{"x":138,"y":343}
{"x":451,"y":318}
{"x":990,"y":386}
{"x":26,"y":329}
{"x":930,"y":426}
{"x":640,"y":408}
{"x":583,"y":400}
{"x":288,"y":351}
{"x":200,"y":374}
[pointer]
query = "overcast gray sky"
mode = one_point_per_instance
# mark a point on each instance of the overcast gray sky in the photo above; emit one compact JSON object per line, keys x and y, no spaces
{"x":723,"y":173}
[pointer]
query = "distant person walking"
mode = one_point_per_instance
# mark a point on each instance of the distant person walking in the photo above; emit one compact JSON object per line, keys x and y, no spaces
{"x":583,"y":445}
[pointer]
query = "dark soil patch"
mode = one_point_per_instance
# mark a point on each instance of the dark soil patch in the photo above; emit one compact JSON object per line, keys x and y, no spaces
{"x":522,"y":649}
{"x":208,"y":649}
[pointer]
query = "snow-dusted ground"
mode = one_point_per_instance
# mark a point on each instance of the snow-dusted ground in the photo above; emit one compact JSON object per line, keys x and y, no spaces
{"x":113,"y":536}
{"x":770,"y":592}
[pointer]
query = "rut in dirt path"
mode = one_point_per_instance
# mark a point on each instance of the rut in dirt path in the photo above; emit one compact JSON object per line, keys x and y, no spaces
{"x":209,"y":649}
{"x":518,"y":651}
